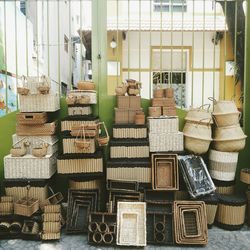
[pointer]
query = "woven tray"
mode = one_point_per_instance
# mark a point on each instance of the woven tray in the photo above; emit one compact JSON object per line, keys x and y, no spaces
{"x":90,"y":93}
{"x":36,"y":141}
{"x":39,"y":103}
{"x":36,"y":130}
{"x":26,"y":206}
{"x":29,"y":167}
{"x":129,"y":131}
{"x":69,"y":163}
{"x":129,"y":186}
{"x":31,"y":118}
{"x":85,"y":110}
{"x":166,"y":142}
{"x":163,"y":124}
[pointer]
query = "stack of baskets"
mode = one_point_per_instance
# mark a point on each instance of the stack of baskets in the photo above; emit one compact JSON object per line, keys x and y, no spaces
{"x":228,"y":140}
{"x":163,"y":103}
{"x":129,"y":147}
{"x":33,"y":155}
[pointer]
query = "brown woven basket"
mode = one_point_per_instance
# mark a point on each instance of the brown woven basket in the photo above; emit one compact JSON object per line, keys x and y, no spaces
{"x":51,"y":236}
{"x":245,"y":175}
{"x":51,"y":217}
{"x":154,"y":111}
{"x":103,"y":140}
{"x":31,"y":118}
{"x":86,"y":85}
{"x":51,"y":227}
{"x":23,"y":91}
{"x":26,"y":206}
{"x":52,"y":200}
{"x":6,"y":205}
{"x":158,"y":93}
{"x":52,"y":208}
{"x":84,"y":99}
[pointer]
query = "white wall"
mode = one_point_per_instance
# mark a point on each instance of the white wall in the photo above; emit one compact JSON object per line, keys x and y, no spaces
{"x":209,"y":77}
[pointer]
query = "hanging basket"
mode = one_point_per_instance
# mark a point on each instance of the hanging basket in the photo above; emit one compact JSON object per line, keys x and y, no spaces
{"x":103,"y":140}
{"x":81,"y":142}
{"x":23,"y":90}
{"x":43,"y":87}
{"x":40,"y":151}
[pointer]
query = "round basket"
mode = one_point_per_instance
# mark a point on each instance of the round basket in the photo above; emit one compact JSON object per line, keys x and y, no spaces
{"x":245,"y":175}
{"x":228,"y":119}
{"x":169,"y":92}
{"x":86,"y":85}
{"x":120,"y":91}
{"x":158,"y":93}
{"x":196,"y":145}
{"x":154,"y":111}
{"x":223,"y":107}
{"x":224,"y":187}
{"x":222,"y":165}
{"x":198,"y":130}
{"x":231,"y":212}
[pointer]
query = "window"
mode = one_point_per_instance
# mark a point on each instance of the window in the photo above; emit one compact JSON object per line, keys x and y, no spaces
{"x":66,"y":44}
{"x":170,"y":5}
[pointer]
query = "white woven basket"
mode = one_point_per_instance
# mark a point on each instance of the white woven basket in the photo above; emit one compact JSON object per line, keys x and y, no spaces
{"x":163,"y":125}
{"x":223,"y":157}
{"x":29,"y":167}
{"x":80,"y":110}
{"x":139,"y":174}
{"x":135,"y":133}
{"x":90,"y":93}
{"x":129,"y":152}
{"x":131,"y":224}
{"x":36,"y":141}
{"x":69,"y":146}
{"x":39,"y":103}
{"x":166,"y":142}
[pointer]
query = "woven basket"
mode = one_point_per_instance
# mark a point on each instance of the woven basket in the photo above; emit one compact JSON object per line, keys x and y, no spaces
{"x":104,"y":139}
{"x":140,"y":118}
{"x":125,"y":116}
{"x":231,"y":212}
{"x":51,"y":227}
{"x":29,"y":167}
{"x":158,"y":93}
{"x":23,"y":91}
{"x":89,"y":94}
{"x":52,"y":200}
{"x":70,"y":99}
{"x":70,"y":147}
{"x":163,"y":125}
{"x":169,"y":111}
{"x":26,"y":206}
{"x":67,"y":125}
{"x":79,"y":110}
{"x":41,"y":84}
{"x":6,"y":205}
{"x":222,"y":165}
{"x":169,"y":92}
{"x":224,"y":187}
{"x":245,"y":175}
{"x":160,"y":102}
{"x":162,"y":142}
{"x":196,"y":145}
{"x":36,"y":130}
{"x":51,"y":236}
{"x":83,"y":99}
{"x":129,"y":152}
{"x":227,"y":119}
{"x":31,"y":118}
{"x":154,"y":111}
{"x":131,"y":224}
{"x":52,"y":209}
{"x":51,"y":217}
{"x":86,"y":85}
{"x":30,"y":230}
{"x":123,"y":102}
{"x":39,"y":103}
{"x":85,"y":184}
{"x":129,"y":132}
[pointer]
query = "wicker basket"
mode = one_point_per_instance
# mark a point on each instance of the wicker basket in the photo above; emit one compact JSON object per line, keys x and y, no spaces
{"x":196,"y":145}
{"x":51,"y":227}
{"x":169,"y":92}
{"x":86,"y":85}
{"x":231,"y":212}
{"x":103,"y":140}
{"x":125,"y":116}
{"x":70,"y":99}
{"x":31,"y":118}
{"x":163,"y":102}
{"x":162,"y":142}
{"x":222,"y":165}
{"x":70,"y":146}
{"x":23,"y":91}
{"x":52,"y":209}
{"x":30,"y":230}
{"x":89,"y":94}
{"x":131,"y":224}
{"x":29,"y":167}
{"x":6,"y":205}
{"x":224,"y":187}
{"x":51,"y":217}
{"x":41,"y":84}
{"x":70,"y":122}
{"x":51,"y":236}
{"x":154,"y":111}
{"x":163,"y":125}
{"x":85,"y":110}
{"x":158,"y":93}
{"x":52,"y":200}
{"x":245,"y":175}
{"x":135,"y":132}
{"x":129,"y":152}
{"x":39,"y":103}
{"x":169,"y":111}
{"x":26,"y":206}
{"x":85,"y":184}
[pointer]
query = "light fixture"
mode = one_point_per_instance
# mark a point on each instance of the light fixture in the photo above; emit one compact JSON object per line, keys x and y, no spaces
{"x":113,"y":43}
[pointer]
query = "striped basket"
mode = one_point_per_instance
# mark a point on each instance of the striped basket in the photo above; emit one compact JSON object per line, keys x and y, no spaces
{"x":52,"y":209}
{"x":51,"y":236}
{"x":166,"y":142}
{"x":52,"y":227}
{"x":222,"y":165}
{"x":6,"y":205}
{"x":224,"y":187}
{"x":29,"y":167}
{"x":79,"y":110}
{"x":131,"y":131}
{"x":163,"y":125}
{"x":51,"y":217}
{"x":39,"y":103}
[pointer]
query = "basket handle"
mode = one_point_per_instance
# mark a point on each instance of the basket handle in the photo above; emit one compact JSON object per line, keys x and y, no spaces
{"x":24,"y":80}
{"x":199,"y":123}
{"x":207,"y":104}
{"x":105,"y":128}
{"x":51,"y":190}
{"x":213,"y":100}
{"x":83,"y":133}
{"x":28,"y":190}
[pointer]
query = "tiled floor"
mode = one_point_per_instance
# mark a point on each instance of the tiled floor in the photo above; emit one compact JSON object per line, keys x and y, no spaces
{"x":218,"y":239}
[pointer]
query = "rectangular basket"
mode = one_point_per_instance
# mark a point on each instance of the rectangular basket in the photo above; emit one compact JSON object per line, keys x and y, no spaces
{"x":52,"y":200}
{"x":84,"y":110}
{"x":126,"y":102}
{"x":26,"y":206}
{"x":131,"y":224}
{"x":169,"y":111}
{"x":52,"y":227}
{"x":31,"y":118}
{"x":90,"y":93}
{"x":51,"y":236}
{"x":6,"y":207}
{"x":129,"y":186}
{"x":36,"y":141}
{"x":166,"y":142}
{"x":159,"y":102}
{"x":39,"y":103}
{"x":51,"y":217}
{"x":69,"y":146}
{"x":67,"y":124}
{"x":52,"y":209}
{"x":29,"y":167}
{"x":37,"y":129}
{"x":85,"y":184}
{"x":129,"y":131}
{"x":125,"y":116}
{"x":163,"y":125}
{"x":129,"y":152}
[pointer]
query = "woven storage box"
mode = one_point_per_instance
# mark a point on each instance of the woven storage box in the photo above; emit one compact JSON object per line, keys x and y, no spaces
{"x":18,"y":189}
{"x":121,"y":131}
{"x":131,"y":224}
{"x":163,"y":125}
{"x":70,"y":121}
{"x":75,"y":163}
{"x":6,"y":205}
{"x":36,"y":130}
{"x":159,"y":102}
{"x":31,"y":118}
{"x":51,"y":227}
{"x":169,"y":111}
{"x":69,"y":146}
{"x":128,"y":186}
{"x":52,"y":200}
{"x":231,"y":212}
{"x":79,"y":183}
{"x":154,"y":111}
{"x":51,"y":236}
{"x":224,"y":187}
{"x":165,"y":142}
{"x":39,"y":103}
{"x":129,"y":148}
{"x":79,"y":110}
{"x":130,"y":170}
{"x":51,"y":217}
{"x":125,"y":102}
{"x":125,"y":116}
{"x":29,"y":167}
{"x":26,"y":206}
{"x":245,"y":175}
{"x":222,"y":165}
{"x":37,"y":141}
{"x":52,"y":209}
{"x":90,"y":93}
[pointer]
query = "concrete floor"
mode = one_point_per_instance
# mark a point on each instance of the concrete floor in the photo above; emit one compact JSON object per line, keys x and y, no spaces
{"x":218,"y":239}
